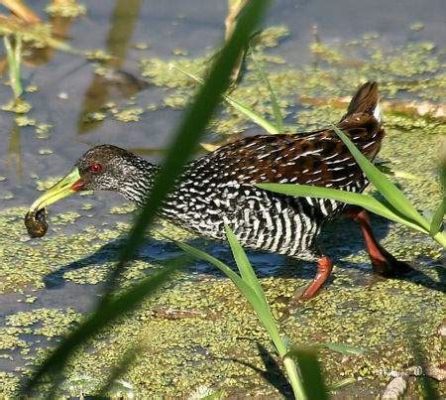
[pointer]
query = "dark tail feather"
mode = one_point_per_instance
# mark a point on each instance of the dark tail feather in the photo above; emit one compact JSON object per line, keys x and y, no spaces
{"x":365,"y":101}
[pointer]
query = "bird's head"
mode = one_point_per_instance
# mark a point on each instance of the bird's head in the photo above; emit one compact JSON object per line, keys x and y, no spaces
{"x":103,"y":167}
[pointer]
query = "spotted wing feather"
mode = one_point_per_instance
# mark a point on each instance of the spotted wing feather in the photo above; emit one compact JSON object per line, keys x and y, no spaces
{"x":318,"y":158}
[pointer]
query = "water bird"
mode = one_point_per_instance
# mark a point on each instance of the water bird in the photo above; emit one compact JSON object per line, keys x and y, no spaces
{"x":219,"y":188}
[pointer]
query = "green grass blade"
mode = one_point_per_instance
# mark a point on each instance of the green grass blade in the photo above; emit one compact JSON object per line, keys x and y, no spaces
{"x":361,"y":200}
{"x":437,"y":218}
{"x":193,"y":124}
{"x":311,"y":373}
{"x":277,"y":113}
{"x":239,"y":106}
{"x":442,"y":169}
{"x":14,"y":58}
{"x":389,"y":191}
{"x":18,"y":88}
{"x":243,"y":264}
{"x":106,"y":314}
{"x":196,"y":118}
{"x":262,"y":310}
{"x":18,"y":51}
{"x":252,"y":115}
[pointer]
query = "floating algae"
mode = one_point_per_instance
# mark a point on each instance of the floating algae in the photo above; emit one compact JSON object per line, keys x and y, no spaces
{"x":129,"y":114}
{"x":212,"y":340}
{"x":66,"y":9}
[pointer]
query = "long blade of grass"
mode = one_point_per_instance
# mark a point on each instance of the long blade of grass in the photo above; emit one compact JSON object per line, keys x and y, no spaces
{"x":243,"y":264}
{"x":277,"y":113}
{"x":389,"y":191}
{"x":261,"y":305}
{"x":252,"y":115}
{"x":437,"y":218}
{"x":264,"y":313}
{"x":361,"y":200}
{"x":106,"y":314}
{"x":239,"y":106}
{"x":311,"y":372}
{"x":261,"y":308}
{"x":196,"y":118}
{"x":14,"y":58}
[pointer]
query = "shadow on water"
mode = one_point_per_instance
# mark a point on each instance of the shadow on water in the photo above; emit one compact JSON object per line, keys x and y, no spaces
{"x":114,"y":82}
{"x":110,"y":253}
{"x":155,"y":251}
{"x":272,"y":372}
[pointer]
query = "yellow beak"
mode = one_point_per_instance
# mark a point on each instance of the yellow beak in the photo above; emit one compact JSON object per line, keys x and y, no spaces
{"x":65,"y":187}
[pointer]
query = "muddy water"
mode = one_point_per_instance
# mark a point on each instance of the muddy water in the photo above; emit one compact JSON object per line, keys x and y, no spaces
{"x":64,"y":271}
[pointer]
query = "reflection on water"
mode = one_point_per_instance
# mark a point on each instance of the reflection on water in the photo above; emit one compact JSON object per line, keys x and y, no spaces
{"x":60,"y":28}
{"x":192,"y":25}
{"x":122,"y":25}
{"x":32,"y":57}
{"x":113,"y":83}
{"x":14,"y":160}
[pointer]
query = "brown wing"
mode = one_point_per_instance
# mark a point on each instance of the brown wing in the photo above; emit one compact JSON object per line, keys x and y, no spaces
{"x":318,"y":158}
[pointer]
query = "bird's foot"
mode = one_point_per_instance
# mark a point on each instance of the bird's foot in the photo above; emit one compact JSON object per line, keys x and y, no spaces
{"x":388,"y":266}
{"x":324,"y":268}
{"x":383,"y":262}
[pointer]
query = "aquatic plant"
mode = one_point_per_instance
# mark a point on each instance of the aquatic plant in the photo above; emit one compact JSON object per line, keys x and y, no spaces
{"x":394,"y":206}
{"x":248,"y":284}
{"x":194,"y":122}
{"x":307,"y":361}
{"x":14,"y":57}
{"x":24,"y":28}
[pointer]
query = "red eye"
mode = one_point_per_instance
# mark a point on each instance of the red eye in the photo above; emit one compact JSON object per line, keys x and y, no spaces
{"x":95,"y":168}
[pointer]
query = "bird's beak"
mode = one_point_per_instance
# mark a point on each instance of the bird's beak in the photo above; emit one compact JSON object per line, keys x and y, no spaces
{"x":68,"y":185}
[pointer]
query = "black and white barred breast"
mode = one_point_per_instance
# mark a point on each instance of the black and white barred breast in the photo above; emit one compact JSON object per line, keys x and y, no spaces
{"x":220,"y":189}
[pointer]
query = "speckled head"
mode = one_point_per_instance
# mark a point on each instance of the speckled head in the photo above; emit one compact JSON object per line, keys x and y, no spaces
{"x":107,"y":167}
{"x":103,"y":167}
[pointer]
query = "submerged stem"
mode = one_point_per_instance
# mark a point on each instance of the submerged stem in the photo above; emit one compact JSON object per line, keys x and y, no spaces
{"x":14,"y":57}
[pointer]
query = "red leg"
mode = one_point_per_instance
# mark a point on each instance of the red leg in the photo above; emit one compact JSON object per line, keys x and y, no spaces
{"x":324,"y":267}
{"x":382,"y":261}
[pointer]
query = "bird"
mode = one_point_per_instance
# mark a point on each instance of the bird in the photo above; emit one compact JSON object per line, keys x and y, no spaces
{"x":220,"y":189}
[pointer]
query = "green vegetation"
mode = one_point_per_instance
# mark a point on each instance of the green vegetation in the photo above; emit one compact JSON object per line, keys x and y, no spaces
{"x":189,"y":131}
{"x":395,"y":206}
{"x":248,"y":284}
{"x":175,"y":324}
{"x":14,"y":57}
